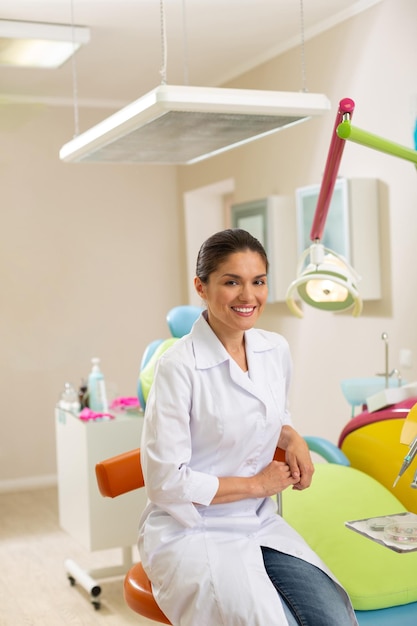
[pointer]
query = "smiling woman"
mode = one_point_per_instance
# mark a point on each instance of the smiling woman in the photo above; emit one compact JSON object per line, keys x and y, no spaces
{"x":217,"y":411}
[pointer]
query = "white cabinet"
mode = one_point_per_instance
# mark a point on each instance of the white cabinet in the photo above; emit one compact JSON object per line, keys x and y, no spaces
{"x":97,"y":523}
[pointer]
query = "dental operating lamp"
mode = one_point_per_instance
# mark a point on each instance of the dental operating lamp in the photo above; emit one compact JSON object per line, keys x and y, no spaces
{"x":325,"y":280}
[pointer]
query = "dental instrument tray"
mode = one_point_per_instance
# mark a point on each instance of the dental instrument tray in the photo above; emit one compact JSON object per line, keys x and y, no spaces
{"x":404,"y":533}
{"x":397,"y":532}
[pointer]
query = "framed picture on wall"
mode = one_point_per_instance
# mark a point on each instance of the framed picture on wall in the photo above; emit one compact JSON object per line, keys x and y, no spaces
{"x":336,"y":234}
{"x":255,"y":217}
{"x":272,"y":221}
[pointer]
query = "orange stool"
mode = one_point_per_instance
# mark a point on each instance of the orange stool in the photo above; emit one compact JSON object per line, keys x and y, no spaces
{"x":138,"y":595}
{"x":115,"y":476}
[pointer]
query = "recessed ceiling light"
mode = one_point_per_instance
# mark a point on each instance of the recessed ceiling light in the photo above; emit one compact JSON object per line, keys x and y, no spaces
{"x":36,"y":44}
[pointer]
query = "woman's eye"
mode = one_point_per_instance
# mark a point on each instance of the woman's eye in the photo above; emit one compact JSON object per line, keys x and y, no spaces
{"x":261,"y":281}
{"x":231,"y":282}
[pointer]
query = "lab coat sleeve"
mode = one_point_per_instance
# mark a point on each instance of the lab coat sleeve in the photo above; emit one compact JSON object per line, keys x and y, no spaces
{"x":166,"y":441}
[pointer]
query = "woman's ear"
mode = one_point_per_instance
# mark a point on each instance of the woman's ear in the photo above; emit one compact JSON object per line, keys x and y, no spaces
{"x":199,"y":287}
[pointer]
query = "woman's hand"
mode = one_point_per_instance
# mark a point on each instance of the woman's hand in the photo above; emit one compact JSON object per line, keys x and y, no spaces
{"x":273,"y":479}
{"x":297,"y":471}
{"x":297,"y":456}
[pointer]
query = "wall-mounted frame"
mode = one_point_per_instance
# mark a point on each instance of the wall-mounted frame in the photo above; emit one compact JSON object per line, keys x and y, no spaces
{"x":253,"y":217}
{"x":336,"y":234}
{"x":271,"y":221}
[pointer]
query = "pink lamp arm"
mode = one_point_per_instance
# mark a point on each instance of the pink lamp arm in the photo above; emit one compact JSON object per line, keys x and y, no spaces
{"x":330,"y":172}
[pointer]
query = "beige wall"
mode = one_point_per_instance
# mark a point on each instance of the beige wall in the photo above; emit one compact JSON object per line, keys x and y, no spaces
{"x":92,"y":256}
{"x":90,"y":263}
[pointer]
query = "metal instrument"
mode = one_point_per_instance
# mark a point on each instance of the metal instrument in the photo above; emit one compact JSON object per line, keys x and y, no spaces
{"x":408,"y":459}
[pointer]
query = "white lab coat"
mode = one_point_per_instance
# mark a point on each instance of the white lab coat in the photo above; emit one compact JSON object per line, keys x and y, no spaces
{"x":206,"y":418}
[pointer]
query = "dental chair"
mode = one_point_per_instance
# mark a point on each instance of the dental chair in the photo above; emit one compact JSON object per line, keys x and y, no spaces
{"x":382,"y":584}
{"x":180,"y":320}
{"x":372,"y":443}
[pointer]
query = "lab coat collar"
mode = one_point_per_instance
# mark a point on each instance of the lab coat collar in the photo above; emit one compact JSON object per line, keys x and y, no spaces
{"x":209,"y":351}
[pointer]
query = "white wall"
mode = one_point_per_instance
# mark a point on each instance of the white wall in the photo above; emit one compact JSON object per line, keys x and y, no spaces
{"x":370,"y":58}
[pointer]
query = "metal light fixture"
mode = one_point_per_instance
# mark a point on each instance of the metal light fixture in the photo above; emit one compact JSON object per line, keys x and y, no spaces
{"x":329,"y":282}
{"x":39,"y":45}
{"x":182,"y":125}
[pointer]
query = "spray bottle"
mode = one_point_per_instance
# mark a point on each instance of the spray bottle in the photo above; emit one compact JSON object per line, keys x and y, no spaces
{"x":97,"y":397}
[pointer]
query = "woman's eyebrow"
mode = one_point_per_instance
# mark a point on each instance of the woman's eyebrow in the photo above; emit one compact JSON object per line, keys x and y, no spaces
{"x":238,"y":276}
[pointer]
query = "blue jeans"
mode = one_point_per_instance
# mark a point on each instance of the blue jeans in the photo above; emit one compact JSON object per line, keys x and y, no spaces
{"x":309,"y":596}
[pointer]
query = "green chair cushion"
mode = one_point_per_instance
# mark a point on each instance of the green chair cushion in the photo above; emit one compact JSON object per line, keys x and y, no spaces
{"x":146,"y":375}
{"x":374,"y":576}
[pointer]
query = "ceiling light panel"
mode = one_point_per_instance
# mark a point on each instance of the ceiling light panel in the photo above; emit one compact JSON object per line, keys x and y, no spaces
{"x":35,"y":44}
{"x":180,"y":125}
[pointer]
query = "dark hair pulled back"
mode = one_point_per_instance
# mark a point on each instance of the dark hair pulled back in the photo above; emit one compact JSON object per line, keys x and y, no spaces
{"x":219,"y":246}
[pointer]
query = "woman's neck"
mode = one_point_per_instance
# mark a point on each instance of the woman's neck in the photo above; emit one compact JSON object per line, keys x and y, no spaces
{"x":234,"y":345}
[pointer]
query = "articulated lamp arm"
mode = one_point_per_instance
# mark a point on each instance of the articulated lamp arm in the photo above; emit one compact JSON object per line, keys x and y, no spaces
{"x":318,"y":284}
{"x":337,"y":145}
{"x":346,"y":131}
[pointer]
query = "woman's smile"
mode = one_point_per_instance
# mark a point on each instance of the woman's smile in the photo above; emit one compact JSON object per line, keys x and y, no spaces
{"x":244,"y":310}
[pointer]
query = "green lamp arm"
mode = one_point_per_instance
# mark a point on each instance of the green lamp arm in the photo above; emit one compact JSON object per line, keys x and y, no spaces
{"x":345,"y":130}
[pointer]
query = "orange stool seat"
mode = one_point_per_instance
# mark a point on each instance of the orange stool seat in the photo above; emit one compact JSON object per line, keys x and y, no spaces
{"x":138,"y":595}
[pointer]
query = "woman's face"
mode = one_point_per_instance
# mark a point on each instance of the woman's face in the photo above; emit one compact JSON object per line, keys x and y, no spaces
{"x":236,"y":293}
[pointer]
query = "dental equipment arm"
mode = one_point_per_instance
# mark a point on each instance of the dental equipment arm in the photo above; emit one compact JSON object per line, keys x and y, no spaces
{"x":337,"y":145}
{"x":346,"y":131}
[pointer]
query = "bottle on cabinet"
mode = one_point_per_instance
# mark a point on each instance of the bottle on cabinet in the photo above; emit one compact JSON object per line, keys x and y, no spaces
{"x":97,"y":397}
{"x":83,"y":394}
{"x":69,"y":400}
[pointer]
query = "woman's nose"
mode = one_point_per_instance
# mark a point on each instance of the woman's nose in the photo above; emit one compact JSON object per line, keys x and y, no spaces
{"x":246,"y":292}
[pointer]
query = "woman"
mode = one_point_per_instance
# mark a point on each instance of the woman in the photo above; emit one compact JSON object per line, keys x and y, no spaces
{"x":211,"y":541}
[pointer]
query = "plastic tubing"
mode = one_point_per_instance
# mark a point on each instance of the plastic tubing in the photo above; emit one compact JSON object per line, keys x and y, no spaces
{"x":337,"y":144}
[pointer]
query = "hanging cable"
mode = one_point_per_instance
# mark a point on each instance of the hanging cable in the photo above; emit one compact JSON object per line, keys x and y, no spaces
{"x":303,"y":57}
{"x":163,"y":70}
{"x":74,"y":75}
{"x":185,"y":39}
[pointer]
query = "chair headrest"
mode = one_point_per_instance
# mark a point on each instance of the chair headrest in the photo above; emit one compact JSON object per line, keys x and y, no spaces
{"x":180,"y":319}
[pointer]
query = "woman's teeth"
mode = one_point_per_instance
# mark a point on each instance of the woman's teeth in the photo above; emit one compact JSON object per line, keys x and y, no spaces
{"x":241,"y":309}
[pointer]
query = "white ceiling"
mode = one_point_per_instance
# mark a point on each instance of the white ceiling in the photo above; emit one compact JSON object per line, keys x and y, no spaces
{"x":208,"y":43}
